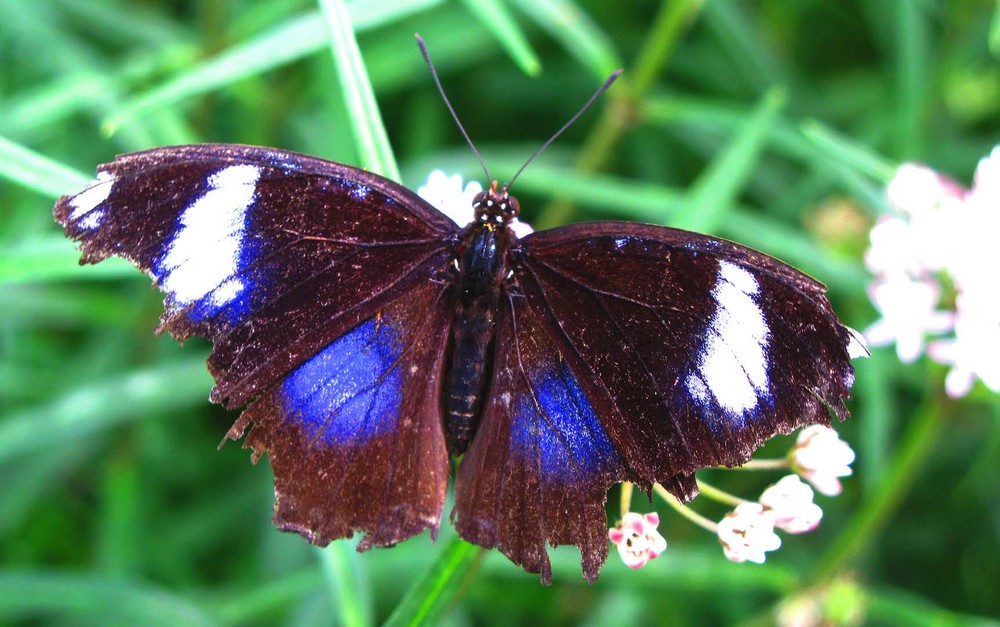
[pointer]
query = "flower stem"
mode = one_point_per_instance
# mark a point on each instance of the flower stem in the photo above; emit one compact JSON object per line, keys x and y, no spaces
{"x":716,"y":494}
{"x":882,"y":502}
{"x":765,"y":464}
{"x":684,"y":510}
{"x":626,"y":498}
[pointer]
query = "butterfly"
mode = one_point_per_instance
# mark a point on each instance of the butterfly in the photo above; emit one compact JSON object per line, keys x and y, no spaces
{"x":372,"y":339}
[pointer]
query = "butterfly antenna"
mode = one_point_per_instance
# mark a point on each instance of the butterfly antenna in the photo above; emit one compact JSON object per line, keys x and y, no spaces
{"x":600,"y":90}
{"x":454,"y":116}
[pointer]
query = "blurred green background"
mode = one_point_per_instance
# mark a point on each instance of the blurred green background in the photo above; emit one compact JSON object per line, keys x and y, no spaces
{"x":774,"y":123}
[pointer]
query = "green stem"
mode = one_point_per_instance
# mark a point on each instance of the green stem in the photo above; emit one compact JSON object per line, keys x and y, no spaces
{"x":765,"y":464}
{"x":922,"y":432}
{"x":345,"y":585}
{"x":669,"y":26}
{"x":684,"y":510}
{"x":716,"y":494}
{"x":370,"y":136}
{"x":625,"y":502}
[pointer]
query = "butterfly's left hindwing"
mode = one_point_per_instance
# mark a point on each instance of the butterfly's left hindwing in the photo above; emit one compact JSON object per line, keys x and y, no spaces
{"x":354,"y":434}
{"x":314,"y":281}
{"x":539,"y":467}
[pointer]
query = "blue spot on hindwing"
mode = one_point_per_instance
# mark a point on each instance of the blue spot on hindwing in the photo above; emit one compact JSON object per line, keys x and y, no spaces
{"x":351,"y":391}
{"x":559,"y":421}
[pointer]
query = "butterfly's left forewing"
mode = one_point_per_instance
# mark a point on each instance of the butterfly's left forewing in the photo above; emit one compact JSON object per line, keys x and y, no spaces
{"x":693,"y":350}
{"x":317,"y":284}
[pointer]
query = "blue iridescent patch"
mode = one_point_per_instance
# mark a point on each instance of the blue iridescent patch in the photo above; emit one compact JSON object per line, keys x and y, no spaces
{"x":559,"y":420}
{"x":351,"y":391}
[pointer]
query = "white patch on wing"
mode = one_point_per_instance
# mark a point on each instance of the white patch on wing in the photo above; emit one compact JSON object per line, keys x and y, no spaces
{"x":732,"y":362}
{"x":87,"y":200}
{"x":91,"y":220}
{"x":857,"y":347}
{"x":205,"y":253}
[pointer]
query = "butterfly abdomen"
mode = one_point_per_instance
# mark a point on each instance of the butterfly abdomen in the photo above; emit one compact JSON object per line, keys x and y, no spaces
{"x":482,"y":264}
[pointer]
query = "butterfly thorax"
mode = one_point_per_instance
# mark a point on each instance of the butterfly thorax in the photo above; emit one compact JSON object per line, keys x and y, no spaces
{"x":481,"y":263}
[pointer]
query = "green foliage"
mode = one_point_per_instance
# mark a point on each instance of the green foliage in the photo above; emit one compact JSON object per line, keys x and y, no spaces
{"x":773,"y":123}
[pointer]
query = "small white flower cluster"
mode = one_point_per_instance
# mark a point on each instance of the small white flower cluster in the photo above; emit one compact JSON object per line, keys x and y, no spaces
{"x":943,"y":239}
{"x":821,"y":457}
{"x":450,"y":198}
{"x":790,"y":503}
{"x":748,"y":531}
{"x":637,"y":539}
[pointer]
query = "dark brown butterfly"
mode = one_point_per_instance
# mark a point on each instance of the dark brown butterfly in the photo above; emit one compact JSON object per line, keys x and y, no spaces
{"x":372,"y":337}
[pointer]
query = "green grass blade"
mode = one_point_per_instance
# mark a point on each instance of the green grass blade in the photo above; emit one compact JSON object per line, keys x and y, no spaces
{"x":903,"y":607}
{"x":280,"y":45}
{"x":756,"y":66}
{"x":54,"y":102}
{"x":370,"y":137}
{"x":848,"y":163}
{"x":86,"y":410}
{"x":53,"y":258}
{"x":137,"y":26}
{"x":432,"y":595}
{"x":576,"y":31}
{"x":37,"y":172}
{"x":911,"y":56}
{"x":847,"y":153}
{"x":713,"y":193}
{"x":347,"y":582}
{"x":293,"y":39}
{"x":99,"y":600}
{"x":995,"y":31}
{"x":496,"y":18}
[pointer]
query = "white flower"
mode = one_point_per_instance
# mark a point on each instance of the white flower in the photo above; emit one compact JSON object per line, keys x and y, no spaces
{"x":894,"y":247}
{"x":450,"y":198}
{"x":986,"y":181}
{"x":943,"y":235}
{"x":637,"y":539}
{"x":915,"y":189}
{"x":977,"y":257}
{"x":446,"y":193}
{"x":928,"y":201}
{"x":909,"y":313}
{"x":790,"y":502}
{"x":975,"y":348}
{"x":747,"y":532}
{"x":820,"y":457}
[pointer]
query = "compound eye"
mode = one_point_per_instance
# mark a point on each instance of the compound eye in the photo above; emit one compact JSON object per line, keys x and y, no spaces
{"x":512,"y":208}
{"x":478,"y":199}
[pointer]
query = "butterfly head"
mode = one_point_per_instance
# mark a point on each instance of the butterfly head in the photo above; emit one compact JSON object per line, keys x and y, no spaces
{"x":495,"y":206}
